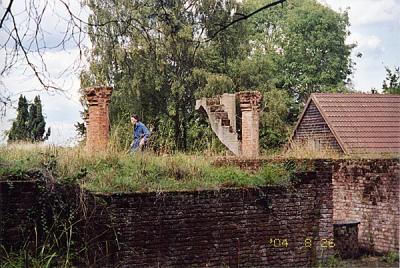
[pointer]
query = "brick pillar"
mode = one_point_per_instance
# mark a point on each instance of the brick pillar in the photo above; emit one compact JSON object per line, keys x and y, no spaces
{"x":250,"y":108}
{"x":97,"y":122}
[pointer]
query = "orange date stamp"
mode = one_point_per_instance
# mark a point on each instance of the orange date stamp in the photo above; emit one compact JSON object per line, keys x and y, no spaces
{"x":308,"y":242}
{"x":324,"y":242}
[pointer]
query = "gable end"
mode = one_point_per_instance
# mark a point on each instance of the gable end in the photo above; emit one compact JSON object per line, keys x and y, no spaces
{"x":314,"y":130}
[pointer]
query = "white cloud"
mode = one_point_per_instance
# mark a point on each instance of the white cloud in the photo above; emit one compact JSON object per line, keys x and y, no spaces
{"x":364,"y":12}
{"x":364,"y":41}
{"x":62,"y":134}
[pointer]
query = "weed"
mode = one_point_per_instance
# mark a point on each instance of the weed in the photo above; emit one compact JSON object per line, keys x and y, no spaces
{"x":391,"y":257}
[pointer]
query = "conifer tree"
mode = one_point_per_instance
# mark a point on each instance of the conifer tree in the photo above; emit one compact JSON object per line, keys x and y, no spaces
{"x":19,"y":130}
{"x":36,"y":121}
{"x":30,"y":123}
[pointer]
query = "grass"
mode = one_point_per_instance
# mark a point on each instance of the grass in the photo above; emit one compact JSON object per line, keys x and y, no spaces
{"x":307,"y":151}
{"x":116,"y":171}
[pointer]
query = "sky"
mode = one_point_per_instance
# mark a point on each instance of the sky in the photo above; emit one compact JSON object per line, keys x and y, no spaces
{"x":375,"y":28}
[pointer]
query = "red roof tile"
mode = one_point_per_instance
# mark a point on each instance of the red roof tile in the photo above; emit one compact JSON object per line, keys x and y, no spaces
{"x":362,"y":123}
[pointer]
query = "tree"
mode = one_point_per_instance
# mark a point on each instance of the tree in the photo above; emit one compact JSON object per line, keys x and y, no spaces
{"x":162,"y":55}
{"x":150,"y":55}
{"x":24,"y":28}
{"x":20,"y":127}
{"x":274,"y":128}
{"x":391,"y":84}
{"x":36,"y":122}
{"x":306,"y":40}
{"x":29,"y":124}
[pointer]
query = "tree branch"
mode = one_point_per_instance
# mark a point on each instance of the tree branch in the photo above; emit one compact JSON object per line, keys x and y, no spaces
{"x":8,"y":10}
{"x":244,"y":17}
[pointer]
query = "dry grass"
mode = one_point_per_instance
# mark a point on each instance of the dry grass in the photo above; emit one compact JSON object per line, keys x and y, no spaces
{"x":117,"y":171}
{"x":307,"y":151}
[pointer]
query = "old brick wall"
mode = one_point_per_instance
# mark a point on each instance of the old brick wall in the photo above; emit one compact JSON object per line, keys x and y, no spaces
{"x":17,"y":204}
{"x":235,"y":227}
{"x":368,"y":191}
{"x":34,"y":212}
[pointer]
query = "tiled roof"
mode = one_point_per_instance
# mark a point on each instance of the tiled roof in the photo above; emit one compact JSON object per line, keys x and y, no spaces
{"x":362,"y":123}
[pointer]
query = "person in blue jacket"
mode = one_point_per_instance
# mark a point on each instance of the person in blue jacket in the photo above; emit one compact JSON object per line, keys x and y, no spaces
{"x":140,"y":134}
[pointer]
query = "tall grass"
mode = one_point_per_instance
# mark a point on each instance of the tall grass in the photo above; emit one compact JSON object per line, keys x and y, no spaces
{"x":306,"y":151}
{"x":117,"y":171}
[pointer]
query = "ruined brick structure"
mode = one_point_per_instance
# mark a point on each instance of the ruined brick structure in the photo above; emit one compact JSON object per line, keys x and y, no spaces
{"x":97,"y":121}
{"x":368,"y":191}
{"x":250,"y":107}
{"x":221,"y":111}
{"x":229,"y":227}
{"x":249,"y":227}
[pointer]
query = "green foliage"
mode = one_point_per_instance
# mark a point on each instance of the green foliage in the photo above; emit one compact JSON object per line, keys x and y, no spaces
{"x":274,"y":129}
{"x":24,"y":258}
{"x":29,"y":125}
{"x":19,"y":129}
{"x":391,"y":85}
{"x":162,"y":55}
{"x":391,"y":257}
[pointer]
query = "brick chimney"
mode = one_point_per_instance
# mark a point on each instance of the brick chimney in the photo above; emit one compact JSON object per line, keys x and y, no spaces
{"x":97,"y":122}
{"x":250,"y":108}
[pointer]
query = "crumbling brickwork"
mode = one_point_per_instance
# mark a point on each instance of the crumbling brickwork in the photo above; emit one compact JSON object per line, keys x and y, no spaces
{"x":368,"y":191}
{"x":17,"y":201}
{"x":267,"y":226}
{"x":346,"y":239}
{"x":221,"y":112}
{"x":234,"y":227}
{"x":97,"y":122}
{"x":250,"y":108}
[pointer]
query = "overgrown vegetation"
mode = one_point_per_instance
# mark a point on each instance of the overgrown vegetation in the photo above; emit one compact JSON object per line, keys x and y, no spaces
{"x":162,"y":55}
{"x":116,"y":171}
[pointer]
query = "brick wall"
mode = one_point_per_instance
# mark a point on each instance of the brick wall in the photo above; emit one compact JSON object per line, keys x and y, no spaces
{"x":235,"y":227}
{"x":18,"y":200}
{"x":346,"y":239}
{"x":368,"y":191}
{"x":227,"y":227}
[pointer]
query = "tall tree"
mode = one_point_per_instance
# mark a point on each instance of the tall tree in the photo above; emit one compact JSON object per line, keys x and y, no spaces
{"x":391,"y":84}
{"x":306,"y":40}
{"x":162,"y":55}
{"x":36,"y":122}
{"x":29,"y":124}
{"x":150,"y":53}
{"x":20,"y":127}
